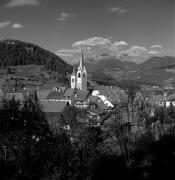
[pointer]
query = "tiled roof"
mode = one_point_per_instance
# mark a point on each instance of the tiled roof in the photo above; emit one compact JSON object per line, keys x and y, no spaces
{"x":55,"y":95}
{"x":55,"y":106}
{"x":68,"y":93}
{"x":42,"y":94}
{"x":80,"y":95}
{"x":112,"y":93}
{"x":156,"y":99}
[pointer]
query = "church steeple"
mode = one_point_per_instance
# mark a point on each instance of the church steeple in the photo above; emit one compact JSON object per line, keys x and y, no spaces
{"x":81,"y":63}
{"x":74,"y":71}
{"x":81,"y":73}
{"x":73,"y":79}
{"x":81,"y":59}
{"x":79,"y":79}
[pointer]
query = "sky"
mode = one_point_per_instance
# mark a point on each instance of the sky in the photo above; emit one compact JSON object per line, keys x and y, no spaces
{"x":138,"y":28}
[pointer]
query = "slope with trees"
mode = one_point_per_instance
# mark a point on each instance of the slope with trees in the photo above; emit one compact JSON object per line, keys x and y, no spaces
{"x":15,"y":53}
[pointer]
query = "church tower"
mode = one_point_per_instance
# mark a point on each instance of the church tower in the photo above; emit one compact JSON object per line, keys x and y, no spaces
{"x":81,"y":75}
{"x":73,"y":79}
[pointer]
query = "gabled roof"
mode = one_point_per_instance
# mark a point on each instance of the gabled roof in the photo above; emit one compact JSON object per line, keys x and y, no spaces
{"x":112,"y":93}
{"x":80,"y":95}
{"x":57,"y":93}
{"x":42,"y":94}
{"x":53,"y":107}
{"x":68,"y":94}
{"x":157,"y":99}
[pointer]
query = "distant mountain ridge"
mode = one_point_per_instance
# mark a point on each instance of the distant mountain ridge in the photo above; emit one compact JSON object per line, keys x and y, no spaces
{"x":14,"y":52}
{"x":156,"y":70}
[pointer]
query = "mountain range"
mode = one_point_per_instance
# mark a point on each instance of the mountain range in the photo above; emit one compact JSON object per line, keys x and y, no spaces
{"x":156,"y":70}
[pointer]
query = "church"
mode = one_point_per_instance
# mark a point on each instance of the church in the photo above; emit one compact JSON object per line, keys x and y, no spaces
{"x":79,"y":78}
{"x":96,"y":100}
{"x":77,"y":93}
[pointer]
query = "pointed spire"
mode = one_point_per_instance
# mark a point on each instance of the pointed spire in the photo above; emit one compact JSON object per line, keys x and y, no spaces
{"x":74,"y":71}
{"x":81,"y":58}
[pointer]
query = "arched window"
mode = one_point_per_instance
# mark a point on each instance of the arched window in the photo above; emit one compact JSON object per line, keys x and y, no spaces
{"x":79,"y":75}
{"x":84,"y":74}
{"x":72,"y":80}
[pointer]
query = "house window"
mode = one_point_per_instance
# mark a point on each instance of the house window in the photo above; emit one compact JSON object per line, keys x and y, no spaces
{"x":79,"y":75}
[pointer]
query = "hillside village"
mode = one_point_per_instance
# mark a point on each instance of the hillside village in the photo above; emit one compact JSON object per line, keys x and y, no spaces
{"x":97,"y":100}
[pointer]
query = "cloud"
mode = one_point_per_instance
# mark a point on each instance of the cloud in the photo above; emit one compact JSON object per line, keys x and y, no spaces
{"x":4,"y":24}
{"x":120,"y":43}
{"x":118,"y":10}
{"x":156,"y":46}
{"x":95,"y":46}
{"x":117,"y":45}
{"x":153,"y":52}
{"x":65,"y":16}
{"x":16,"y":3}
{"x":136,"y":51}
{"x":67,"y":52}
{"x":17,"y":26}
{"x":94,"y":41}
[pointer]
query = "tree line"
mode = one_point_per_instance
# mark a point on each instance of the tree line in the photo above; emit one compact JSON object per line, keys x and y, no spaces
{"x":29,"y":149}
{"x":15,"y":53}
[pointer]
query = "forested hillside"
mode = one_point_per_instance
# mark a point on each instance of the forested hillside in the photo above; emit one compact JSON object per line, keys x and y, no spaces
{"x":13,"y":53}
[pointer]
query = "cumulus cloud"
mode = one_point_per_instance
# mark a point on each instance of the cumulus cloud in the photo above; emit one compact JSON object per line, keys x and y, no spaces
{"x":153,"y":52}
{"x":156,"y":46}
{"x":118,"y":10}
{"x":136,"y":50}
{"x":12,"y":25}
{"x":98,"y":45}
{"x":117,"y":45}
{"x":95,"y":46}
{"x":94,"y":41}
{"x":4,"y":24}
{"x":17,"y":26}
{"x":16,"y":3}
{"x":65,"y":16}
